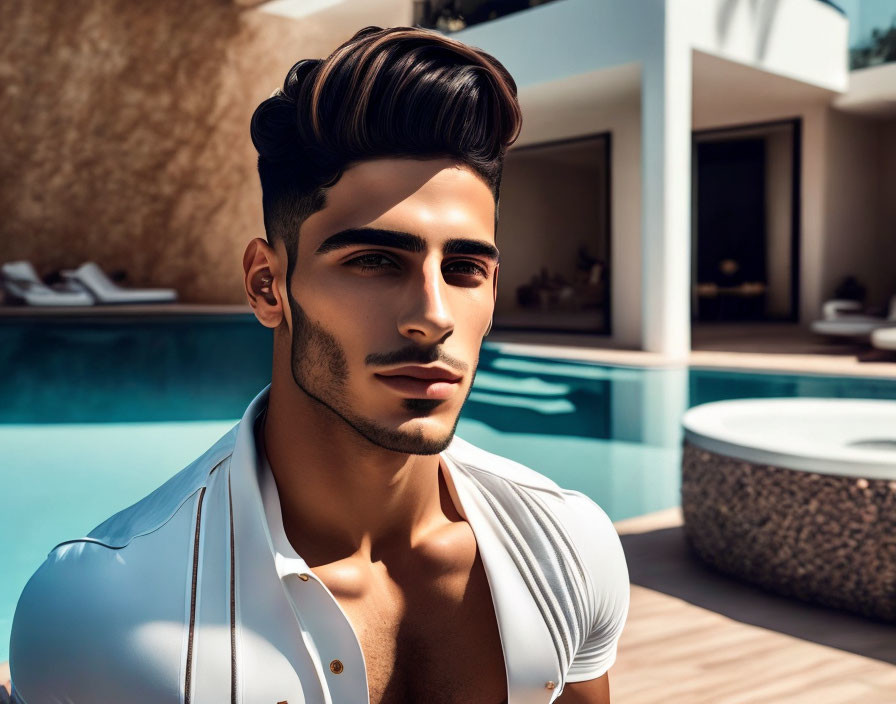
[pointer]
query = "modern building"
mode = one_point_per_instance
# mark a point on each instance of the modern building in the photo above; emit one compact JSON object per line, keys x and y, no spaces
{"x":681,"y":161}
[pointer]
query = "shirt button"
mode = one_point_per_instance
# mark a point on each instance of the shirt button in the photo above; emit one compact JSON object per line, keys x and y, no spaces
{"x":336,"y":667}
{"x":304,"y":577}
{"x":550,"y":684}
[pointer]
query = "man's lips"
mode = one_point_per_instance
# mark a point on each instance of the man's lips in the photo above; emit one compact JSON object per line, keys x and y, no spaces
{"x":429,"y":373}
{"x":421,"y":382}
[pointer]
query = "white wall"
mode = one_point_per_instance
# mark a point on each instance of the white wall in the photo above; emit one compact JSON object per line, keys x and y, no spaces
{"x":550,"y":47}
{"x":806,"y":40}
{"x":860,"y":214}
{"x":801,"y":39}
{"x":872,"y":90}
{"x":887,"y":189}
{"x":779,"y":206}
{"x":622,"y":119}
{"x":568,"y":37}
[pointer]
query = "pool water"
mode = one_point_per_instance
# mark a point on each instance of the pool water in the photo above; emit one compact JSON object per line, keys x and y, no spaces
{"x":97,"y":414}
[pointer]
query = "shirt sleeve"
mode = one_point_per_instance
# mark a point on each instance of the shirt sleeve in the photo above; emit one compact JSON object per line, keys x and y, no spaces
{"x":95,"y":624}
{"x":43,"y":654}
{"x":604,"y":558}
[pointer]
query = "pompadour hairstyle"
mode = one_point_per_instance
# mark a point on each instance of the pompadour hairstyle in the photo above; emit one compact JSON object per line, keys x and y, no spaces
{"x":400,"y":92}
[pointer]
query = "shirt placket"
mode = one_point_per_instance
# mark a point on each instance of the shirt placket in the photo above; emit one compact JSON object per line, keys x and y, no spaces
{"x":329,"y":636}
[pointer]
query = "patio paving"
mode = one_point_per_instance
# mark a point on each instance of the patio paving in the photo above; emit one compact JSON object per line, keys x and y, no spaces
{"x":785,"y":347}
{"x":694,"y":635}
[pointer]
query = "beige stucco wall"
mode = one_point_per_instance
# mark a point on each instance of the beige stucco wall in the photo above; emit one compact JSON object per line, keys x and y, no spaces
{"x":126,"y":137}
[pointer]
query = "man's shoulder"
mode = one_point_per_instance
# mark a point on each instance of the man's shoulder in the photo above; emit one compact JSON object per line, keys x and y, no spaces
{"x":124,"y":584}
{"x":513,"y":484}
{"x":490,"y":466}
{"x":566,"y":549}
{"x":156,"y":508}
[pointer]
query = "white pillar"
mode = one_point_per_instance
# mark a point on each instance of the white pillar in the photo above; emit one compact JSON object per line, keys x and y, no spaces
{"x":666,"y":194}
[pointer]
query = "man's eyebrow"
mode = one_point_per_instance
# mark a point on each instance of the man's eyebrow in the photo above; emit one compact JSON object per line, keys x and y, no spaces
{"x":404,"y":240}
{"x":476,"y":247}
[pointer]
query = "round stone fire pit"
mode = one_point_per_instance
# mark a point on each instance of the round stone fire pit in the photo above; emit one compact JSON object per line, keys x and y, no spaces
{"x":797,"y":495}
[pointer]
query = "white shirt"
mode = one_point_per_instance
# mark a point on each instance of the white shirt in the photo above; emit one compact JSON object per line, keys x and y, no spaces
{"x":194,"y":594}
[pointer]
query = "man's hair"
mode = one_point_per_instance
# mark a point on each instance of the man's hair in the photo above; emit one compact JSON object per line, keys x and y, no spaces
{"x":400,"y":92}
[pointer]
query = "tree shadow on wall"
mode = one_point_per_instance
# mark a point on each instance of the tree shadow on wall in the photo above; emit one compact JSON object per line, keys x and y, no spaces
{"x":121,"y":120}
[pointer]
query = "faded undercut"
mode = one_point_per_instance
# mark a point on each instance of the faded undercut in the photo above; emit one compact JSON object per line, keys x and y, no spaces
{"x":396,"y":92}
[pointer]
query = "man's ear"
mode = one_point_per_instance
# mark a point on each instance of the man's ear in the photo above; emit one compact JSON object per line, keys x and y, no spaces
{"x":495,"y":283}
{"x":262,"y":273}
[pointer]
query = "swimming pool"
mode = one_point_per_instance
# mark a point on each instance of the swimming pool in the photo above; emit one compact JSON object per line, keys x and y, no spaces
{"x":83,"y":401}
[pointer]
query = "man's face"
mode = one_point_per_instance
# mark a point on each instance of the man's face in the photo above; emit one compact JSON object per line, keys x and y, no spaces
{"x":396,"y":273}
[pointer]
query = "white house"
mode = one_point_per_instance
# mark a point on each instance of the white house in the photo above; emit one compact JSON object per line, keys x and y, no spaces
{"x":713,"y":160}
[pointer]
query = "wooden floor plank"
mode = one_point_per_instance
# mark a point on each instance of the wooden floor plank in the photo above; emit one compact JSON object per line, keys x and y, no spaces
{"x":674,"y":651}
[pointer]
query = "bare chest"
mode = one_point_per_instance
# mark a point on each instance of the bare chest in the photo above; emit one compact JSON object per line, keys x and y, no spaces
{"x":440,"y":662}
{"x":433,"y":637}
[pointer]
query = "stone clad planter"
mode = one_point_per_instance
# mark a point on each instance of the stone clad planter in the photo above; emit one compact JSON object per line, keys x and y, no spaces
{"x":797,"y":496}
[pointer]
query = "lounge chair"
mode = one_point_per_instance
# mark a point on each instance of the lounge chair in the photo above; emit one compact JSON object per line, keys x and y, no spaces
{"x":106,"y":291}
{"x":884,"y":338}
{"x":21,"y":284}
{"x":843,"y":318}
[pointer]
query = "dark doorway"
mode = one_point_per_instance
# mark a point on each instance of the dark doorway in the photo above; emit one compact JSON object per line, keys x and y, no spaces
{"x":731,"y":225}
{"x":745,"y":223}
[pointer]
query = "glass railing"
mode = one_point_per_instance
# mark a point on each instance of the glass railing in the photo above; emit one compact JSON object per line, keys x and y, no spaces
{"x":872,"y":31}
{"x":454,"y":15}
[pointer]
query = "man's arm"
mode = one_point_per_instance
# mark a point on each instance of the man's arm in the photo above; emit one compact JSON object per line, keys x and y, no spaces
{"x":596,"y":691}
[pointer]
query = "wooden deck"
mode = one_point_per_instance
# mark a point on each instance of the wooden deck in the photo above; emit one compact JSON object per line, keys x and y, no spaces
{"x":698,"y":637}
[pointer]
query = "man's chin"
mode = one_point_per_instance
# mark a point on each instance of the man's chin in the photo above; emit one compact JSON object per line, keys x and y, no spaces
{"x":411,"y":443}
{"x":411,"y":438}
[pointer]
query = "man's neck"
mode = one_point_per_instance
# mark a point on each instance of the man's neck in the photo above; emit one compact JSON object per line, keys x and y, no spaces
{"x":340,"y":495}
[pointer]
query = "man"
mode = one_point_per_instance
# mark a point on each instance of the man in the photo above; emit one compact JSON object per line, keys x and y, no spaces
{"x":341,"y":544}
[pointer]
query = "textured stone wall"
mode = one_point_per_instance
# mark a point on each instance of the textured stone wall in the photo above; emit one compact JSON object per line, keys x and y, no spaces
{"x":818,"y":537}
{"x":125,"y":135}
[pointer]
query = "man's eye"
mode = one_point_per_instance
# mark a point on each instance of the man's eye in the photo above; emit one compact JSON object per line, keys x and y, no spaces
{"x":371,"y":262}
{"x":376,"y":262}
{"x":467,"y":267}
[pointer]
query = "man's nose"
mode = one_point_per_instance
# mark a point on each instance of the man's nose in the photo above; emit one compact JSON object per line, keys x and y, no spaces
{"x":427,"y":315}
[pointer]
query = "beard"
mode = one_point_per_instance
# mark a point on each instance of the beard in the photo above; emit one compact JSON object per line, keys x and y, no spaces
{"x":320,"y":369}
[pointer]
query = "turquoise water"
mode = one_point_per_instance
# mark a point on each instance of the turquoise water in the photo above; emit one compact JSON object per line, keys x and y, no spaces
{"x":97,"y":415}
